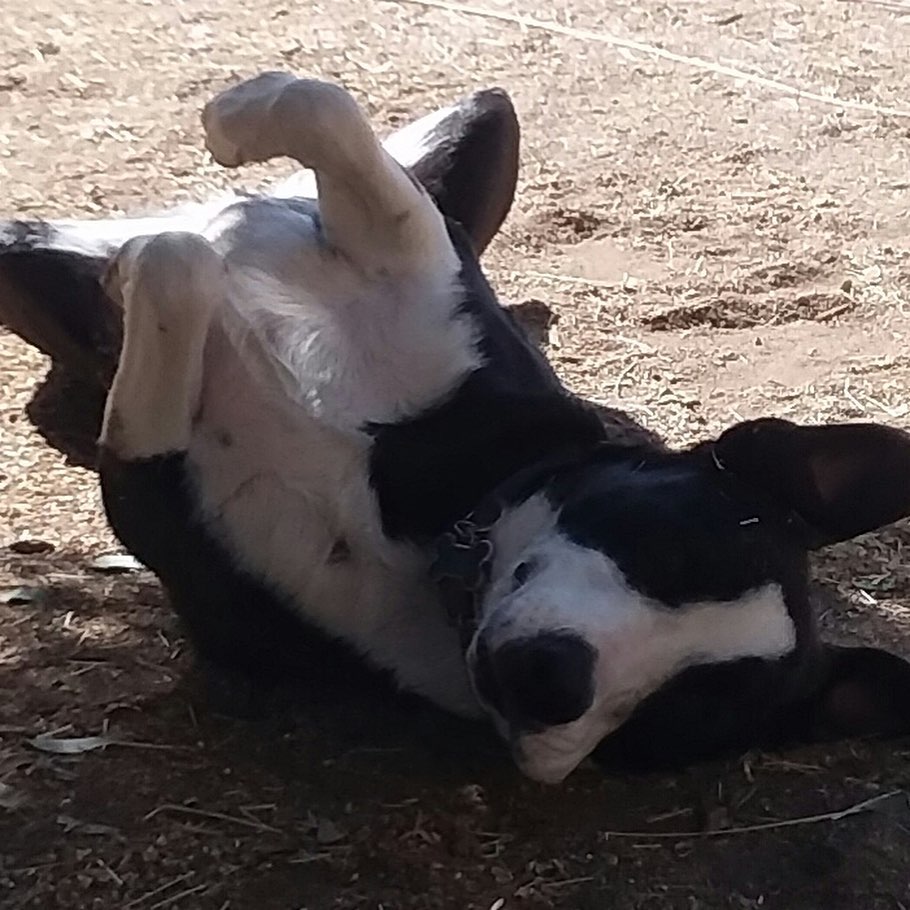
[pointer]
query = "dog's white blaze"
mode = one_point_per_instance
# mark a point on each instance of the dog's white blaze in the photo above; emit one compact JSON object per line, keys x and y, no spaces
{"x":518,"y":525}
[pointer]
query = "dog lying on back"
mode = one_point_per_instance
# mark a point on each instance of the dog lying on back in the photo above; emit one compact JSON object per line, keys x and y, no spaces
{"x":326,"y":437}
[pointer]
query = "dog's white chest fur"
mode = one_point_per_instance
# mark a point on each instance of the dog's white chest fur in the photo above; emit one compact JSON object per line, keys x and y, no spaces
{"x":280,"y":456}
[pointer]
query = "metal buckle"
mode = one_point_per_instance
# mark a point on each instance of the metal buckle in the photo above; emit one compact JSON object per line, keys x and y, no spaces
{"x":460,"y":571}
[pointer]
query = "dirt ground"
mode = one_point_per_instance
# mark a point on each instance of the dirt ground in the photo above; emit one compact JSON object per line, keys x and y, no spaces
{"x":690,"y":245}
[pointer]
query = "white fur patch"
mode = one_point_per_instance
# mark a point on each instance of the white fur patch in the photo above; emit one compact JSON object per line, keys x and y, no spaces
{"x":372,"y":212}
{"x":517,"y":526}
{"x":350,"y":351}
{"x":640,"y":644}
{"x":285,"y":488}
{"x":409,"y":144}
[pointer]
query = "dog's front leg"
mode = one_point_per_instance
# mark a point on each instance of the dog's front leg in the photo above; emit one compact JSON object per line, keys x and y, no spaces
{"x":373,"y":212}
{"x":169,"y":287}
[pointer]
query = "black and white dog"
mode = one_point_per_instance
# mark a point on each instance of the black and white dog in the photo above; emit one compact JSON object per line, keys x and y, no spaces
{"x":323,"y":433}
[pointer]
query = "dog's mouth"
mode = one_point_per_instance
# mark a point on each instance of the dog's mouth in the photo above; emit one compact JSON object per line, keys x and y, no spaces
{"x":551,"y":756}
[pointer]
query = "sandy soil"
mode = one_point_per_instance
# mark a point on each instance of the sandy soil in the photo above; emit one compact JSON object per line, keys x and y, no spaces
{"x":692,"y":247}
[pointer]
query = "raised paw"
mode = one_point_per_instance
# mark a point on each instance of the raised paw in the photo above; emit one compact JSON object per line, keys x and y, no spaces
{"x":371,"y":209}
{"x":276,"y":114}
{"x":169,"y":286}
{"x":172,"y":273}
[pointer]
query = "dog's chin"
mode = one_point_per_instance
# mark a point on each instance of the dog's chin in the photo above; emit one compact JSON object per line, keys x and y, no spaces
{"x":545,"y":772}
{"x":547,"y":758}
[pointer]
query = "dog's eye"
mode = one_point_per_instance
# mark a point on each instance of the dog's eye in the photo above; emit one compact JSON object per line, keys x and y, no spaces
{"x":521,"y":574}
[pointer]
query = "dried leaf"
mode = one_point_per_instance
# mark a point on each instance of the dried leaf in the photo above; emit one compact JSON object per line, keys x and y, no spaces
{"x":71,"y":824}
{"x":22,"y":595}
{"x":116,"y":563}
{"x":9,"y":81}
{"x":9,"y":798}
{"x":69,"y":746}
{"x":327,"y":832}
{"x":30,"y":547}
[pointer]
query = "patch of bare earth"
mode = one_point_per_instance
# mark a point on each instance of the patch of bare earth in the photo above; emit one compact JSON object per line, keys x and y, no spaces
{"x":689,"y":246}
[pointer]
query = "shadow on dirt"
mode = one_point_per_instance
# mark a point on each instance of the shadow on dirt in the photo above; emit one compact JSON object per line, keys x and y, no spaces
{"x":362,"y":799}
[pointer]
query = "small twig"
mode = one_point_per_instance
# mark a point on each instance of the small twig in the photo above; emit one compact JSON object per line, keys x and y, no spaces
{"x":891,"y":5}
{"x":553,"y":276}
{"x":116,"y":879}
{"x":666,"y":816}
{"x":163,"y":747}
{"x":651,"y":50}
{"x":564,"y":882}
{"x":884,"y":408}
{"x":28,"y":870}
{"x":837,"y":310}
{"x":200,"y":829}
{"x":220,"y":816}
{"x":785,"y":765}
{"x":617,"y":386}
{"x":158,"y":890}
{"x":865,"y":805}
{"x":852,"y":398}
{"x":635,"y":343}
{"x":176,"y":897}
{"x":309,"y":858}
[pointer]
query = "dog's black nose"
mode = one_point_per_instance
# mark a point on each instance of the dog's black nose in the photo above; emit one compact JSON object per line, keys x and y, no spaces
{"x":542,"y":681}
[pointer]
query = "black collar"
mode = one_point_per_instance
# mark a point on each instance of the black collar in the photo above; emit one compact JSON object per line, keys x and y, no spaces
{"x":463,"y":557}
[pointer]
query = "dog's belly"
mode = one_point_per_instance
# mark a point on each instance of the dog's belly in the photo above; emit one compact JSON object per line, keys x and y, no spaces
{"x":291,"y":499}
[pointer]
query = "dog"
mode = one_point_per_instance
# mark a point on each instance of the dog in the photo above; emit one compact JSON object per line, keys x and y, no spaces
{"x":335,"y":448}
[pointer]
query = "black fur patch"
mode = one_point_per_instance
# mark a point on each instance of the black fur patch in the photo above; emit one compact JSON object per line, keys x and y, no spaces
{"x":53,"y":299}
{"x":680,"y":530}
{"x":537,"y":682}
{"x":431,"y":470}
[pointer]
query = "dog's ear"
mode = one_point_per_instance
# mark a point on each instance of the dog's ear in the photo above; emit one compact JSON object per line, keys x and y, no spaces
{"x":721,"y":710}
{"x":859,"y":691}
{"x":842,"y":479}
{"x":51,"y":296}
{"x":467,"y":158}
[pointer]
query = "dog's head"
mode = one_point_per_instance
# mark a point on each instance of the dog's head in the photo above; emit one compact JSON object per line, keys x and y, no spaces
{"x":664,"y":599}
